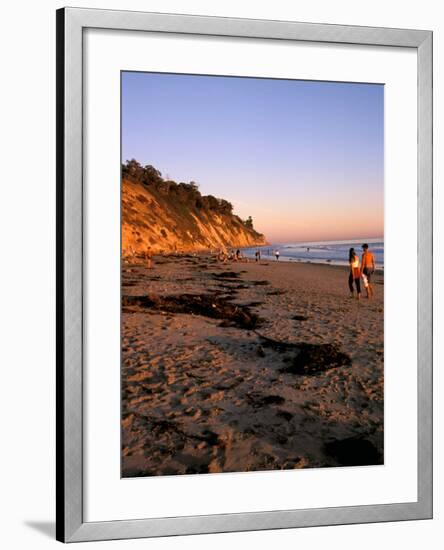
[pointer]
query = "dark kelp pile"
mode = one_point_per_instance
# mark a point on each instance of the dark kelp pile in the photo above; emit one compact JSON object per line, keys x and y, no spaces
{"x":213,"y":306}
{"x":307,"y":359}
{"x":354,"y":451}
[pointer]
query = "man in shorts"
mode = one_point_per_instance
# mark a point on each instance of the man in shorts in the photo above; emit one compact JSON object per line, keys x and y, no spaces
{"x":368,"y":268}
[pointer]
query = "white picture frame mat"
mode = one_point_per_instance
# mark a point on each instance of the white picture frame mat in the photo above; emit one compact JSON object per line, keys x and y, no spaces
{"x":107,"y":496}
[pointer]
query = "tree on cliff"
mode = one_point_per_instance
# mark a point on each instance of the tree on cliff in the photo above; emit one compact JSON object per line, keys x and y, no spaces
{"x":151,"y":175}
{"x":249,"y":222}
{"x":225,"y":207}
{"x":146,"y":174}
{"x":188,"y":193}
{"x":133,"y":169}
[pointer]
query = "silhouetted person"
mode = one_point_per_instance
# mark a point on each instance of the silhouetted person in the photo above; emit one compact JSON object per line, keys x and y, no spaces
{"x":368,"y":268}
{"x":355,"y":274}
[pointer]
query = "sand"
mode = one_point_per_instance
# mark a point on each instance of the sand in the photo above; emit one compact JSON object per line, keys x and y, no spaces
{"x":247,"y":367}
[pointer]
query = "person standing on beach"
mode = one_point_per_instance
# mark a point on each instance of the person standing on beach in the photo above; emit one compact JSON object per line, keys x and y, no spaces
{"x":276,"y":253}
{"x":258,"y":255}
{"x":368,"y":268}
{"x":355,"y":274}
{"x":149,"y":257}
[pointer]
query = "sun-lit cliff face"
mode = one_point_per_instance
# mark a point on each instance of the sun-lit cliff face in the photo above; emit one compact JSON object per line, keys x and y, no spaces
{"x":172,"y":217}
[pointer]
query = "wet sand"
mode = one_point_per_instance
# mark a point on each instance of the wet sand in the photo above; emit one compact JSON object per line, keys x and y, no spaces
{"x":248,"y":366}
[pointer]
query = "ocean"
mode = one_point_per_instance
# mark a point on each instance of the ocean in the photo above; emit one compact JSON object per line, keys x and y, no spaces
{"x":322,"y":252}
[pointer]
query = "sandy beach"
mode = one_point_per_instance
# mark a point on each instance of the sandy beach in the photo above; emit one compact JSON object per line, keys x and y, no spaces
{"x":248,"y":366}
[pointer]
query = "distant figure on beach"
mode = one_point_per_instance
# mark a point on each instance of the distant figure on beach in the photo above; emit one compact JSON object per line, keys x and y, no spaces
{"x":257,"y":255}
{"x":238,"y":255}
{"x":308,"y":249}
{"x":368,"y":268}
{"x":222,"y":256}
{"x":276,"y":253}
{"x":355,"y":274}
{"x":149,"y":257}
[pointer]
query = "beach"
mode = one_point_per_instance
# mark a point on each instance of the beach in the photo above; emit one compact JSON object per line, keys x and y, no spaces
{"x":248,"y":366}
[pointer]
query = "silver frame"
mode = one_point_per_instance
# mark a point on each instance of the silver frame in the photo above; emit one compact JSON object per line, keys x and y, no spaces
{"x":71,"y":22}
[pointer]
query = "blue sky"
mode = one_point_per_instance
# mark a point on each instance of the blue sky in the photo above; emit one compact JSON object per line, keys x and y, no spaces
{"x":304,"y":159}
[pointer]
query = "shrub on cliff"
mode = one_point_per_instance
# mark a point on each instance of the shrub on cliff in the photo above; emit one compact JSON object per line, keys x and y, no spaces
{"x":145,"y":174}
{"x":188,"y":192}
{"x":249,"y":222}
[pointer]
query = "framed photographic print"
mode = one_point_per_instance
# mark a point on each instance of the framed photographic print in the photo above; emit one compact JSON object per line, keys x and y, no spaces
{"x":244,"y":274}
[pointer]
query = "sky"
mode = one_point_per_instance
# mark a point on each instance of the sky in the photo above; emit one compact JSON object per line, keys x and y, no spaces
{"x":305,"y":159}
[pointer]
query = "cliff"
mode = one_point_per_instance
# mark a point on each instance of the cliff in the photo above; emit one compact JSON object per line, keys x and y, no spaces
{"x":170,"y":217}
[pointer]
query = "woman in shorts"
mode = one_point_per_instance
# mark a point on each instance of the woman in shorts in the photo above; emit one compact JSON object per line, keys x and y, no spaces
{"x":354,"y":276}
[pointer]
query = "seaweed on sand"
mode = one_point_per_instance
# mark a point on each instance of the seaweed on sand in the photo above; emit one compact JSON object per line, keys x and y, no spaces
{"x":226,"y":275}
{"x":353,"y":451}
{"x":213,"y":306}
{"x":258,"y":401}
{"x":307,"y":359}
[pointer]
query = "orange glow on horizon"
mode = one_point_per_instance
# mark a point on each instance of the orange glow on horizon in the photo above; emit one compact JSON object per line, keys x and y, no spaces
{"x":318,"y":222}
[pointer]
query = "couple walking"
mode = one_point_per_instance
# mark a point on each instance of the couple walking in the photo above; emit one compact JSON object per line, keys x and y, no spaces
{"x":364,"y":271}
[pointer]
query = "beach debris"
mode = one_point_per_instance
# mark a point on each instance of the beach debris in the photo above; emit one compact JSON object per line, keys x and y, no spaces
{"x":233,"y":286}
{"x":260,"y":351}
{"x":226,"y":275}
{"x":257,"y":400}
{"x":285,"y":415}
{"x":213,"y":306}
{"x":131,"y":282}
{"x":278,"y":292}
{"x":315,"y":358}
{"x":299,"y":318}
{"x":353,"y":451}
{"x":307,"y":359}
{"x":253,"y":304}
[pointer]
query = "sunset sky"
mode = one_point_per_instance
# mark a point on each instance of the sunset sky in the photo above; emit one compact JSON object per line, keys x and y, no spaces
{"x":304,"y":159}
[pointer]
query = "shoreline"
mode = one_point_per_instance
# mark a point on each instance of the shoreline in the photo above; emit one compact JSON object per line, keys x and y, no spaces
{"x":200,"y":253}
{"x":248,"y":366}
{"x":299,"y":259}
